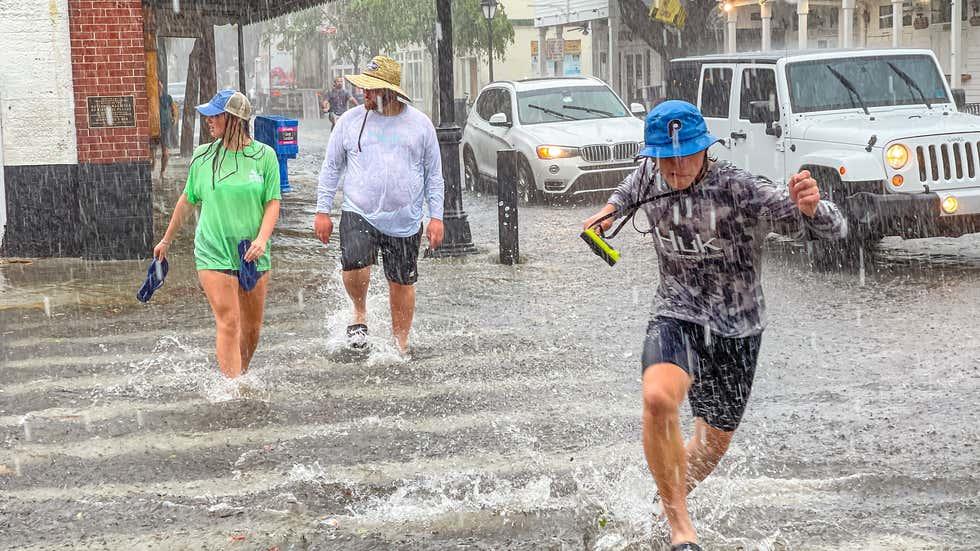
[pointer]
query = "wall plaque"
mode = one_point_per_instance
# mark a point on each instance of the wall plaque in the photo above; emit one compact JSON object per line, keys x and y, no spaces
{"x":111,"y":111}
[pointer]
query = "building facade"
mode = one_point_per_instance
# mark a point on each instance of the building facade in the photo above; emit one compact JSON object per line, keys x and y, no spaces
{"x":74,"y":129}
{"x":928,"y":24}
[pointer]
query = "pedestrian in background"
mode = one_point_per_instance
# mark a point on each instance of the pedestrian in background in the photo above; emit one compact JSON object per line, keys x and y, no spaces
{"x":337,"y":100}
{"x":168,"y":118}
{"x":235,"y":181}
{"x":388,"y":152}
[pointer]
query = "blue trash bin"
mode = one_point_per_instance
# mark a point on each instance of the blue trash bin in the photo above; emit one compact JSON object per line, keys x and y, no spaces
{"x":281,"y":134}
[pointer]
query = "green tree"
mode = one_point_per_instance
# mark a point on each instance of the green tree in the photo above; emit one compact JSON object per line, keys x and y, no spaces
{"x":699,"y":35}
{"x":368,"y":27}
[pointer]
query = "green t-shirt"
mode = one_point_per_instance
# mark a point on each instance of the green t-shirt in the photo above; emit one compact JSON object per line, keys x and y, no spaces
{"x":233,"y":203}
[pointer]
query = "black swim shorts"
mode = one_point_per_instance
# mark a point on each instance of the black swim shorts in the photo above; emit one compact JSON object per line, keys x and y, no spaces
{"x":359,"y":244}
{"x":721,"y":368}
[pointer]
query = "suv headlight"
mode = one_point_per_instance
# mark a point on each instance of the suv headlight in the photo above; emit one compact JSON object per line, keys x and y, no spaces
{"x":897,"y":156}
{"x":556,"y":152}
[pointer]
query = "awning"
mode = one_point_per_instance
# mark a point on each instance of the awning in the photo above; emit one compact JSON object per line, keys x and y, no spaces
{"x":232,"y":11}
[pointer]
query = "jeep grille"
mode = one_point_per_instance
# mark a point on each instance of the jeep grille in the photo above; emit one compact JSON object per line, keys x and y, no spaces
{"x":947,"y":161}
{"x":602,"y":153}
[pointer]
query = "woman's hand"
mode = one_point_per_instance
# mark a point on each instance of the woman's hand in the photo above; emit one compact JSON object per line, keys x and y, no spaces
{"x":160,"y":251}
{"x":256,"y":250}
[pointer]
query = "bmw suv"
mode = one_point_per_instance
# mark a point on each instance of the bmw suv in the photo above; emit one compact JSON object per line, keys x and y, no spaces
{"x":575,"y":135}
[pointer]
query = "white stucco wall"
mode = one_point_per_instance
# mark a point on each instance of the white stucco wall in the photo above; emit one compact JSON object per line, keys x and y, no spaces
{"x":36,"y":97}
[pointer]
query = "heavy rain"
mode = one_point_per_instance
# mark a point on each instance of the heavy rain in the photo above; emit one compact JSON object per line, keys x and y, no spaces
{"x":599,"y":229}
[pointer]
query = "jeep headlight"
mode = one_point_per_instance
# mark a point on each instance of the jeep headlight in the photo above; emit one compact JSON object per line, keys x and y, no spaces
{"x":556,"y":152}
{"x":897,"y":156}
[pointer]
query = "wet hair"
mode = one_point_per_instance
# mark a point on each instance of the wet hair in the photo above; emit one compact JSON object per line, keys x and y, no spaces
{"x":236,"y":130}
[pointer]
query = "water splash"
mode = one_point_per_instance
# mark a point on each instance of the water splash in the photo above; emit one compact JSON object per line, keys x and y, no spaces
{"x":47,"y":306}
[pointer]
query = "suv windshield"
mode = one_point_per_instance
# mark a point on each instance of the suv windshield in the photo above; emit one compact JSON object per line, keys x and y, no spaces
{"x":814,"y":87}
{"x":567,"y":104}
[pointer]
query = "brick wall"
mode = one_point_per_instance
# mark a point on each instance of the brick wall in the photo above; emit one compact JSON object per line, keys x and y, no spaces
{"x":108,"y":59}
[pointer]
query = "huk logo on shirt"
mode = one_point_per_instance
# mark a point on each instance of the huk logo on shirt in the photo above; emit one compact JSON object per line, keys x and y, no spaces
{"x":698,"y":245}
{"x":254,"y":177}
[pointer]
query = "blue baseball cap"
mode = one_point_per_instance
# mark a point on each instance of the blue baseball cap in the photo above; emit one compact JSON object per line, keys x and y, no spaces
{"x":217,"y":104}
{"x":680,"y":118}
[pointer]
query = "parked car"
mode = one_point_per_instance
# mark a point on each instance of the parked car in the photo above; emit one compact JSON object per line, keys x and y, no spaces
{"x":879,"y":128}
{"x":574,"y":135}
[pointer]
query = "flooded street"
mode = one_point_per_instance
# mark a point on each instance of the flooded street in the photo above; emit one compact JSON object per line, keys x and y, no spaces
{"x":516,"y":424}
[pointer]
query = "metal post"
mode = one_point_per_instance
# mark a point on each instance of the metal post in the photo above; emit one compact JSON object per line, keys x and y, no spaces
{"x":615,"y":78}
{"x":507,"y":206}
{"x":542,"y":40}
{"x":766,"y":14}
{"x":458,"y":240}
{"x":490,"y":45}
{"x":897,"y":15}
{"x":241,"y":58}
{"x":955,"y":55}
{"x":730,"y":47}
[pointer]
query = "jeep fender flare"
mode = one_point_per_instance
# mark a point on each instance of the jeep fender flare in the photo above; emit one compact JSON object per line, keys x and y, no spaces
{"x":860,"y":166}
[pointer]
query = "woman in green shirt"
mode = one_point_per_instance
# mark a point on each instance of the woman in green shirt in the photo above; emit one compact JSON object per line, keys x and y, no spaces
{"x":235,"y":180}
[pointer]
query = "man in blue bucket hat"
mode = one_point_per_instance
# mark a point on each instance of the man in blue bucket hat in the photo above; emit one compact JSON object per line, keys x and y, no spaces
{"x":703,"y":341}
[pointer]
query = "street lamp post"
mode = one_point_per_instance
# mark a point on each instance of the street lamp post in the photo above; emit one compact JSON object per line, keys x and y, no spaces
{"x":458,"y":240}
{"x":489,"y":9}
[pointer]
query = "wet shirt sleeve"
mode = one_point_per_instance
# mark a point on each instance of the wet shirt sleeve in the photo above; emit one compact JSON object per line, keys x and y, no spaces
{"x":433,"y":180}
{"x":334,"y":163}
{"x":759,"y":196}
{"x":190,"y":188}
{"x":271,"y":190}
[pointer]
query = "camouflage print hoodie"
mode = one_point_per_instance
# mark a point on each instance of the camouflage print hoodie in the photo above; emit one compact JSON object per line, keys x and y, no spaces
{"x":709,"y":242}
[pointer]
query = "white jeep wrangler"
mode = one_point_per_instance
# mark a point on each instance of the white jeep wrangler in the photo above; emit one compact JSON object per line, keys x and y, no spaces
{"x":878,"y":128}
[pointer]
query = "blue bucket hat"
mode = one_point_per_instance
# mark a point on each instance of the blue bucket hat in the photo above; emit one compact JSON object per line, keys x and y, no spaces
{"x":155,"y":274}
{"x":217,"y":104}
{"x":675,"y":117}
{"x":248,"y":275}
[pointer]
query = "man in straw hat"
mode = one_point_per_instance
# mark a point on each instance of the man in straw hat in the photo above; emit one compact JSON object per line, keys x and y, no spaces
{"x":388,"y":152}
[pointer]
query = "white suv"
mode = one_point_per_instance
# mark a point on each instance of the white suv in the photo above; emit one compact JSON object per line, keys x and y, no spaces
{"x":575,"y":135}
{"x":879,"y":128}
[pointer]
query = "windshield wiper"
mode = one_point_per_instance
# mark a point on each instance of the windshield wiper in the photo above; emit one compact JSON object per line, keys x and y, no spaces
{"x":850,"y":88}
{"x":552,"y":112}
{"x":910,"y":83}
{"x":577,"y":108}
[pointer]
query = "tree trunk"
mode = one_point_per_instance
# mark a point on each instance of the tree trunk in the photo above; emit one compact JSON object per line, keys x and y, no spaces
{"x":209,"y":78}
{"x":191,"y":99}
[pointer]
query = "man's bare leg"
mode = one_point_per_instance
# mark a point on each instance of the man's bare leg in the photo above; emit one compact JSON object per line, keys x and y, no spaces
{"x":402,"y":300}
{"x":356,"y":282}
{"x":664,"y":388}
{"x":704,"y":451}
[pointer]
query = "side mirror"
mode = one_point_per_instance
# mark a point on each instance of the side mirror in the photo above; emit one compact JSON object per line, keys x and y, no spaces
{"x":638,"y":109}
{"x":499,"y":119}
{"x":760,"y":112}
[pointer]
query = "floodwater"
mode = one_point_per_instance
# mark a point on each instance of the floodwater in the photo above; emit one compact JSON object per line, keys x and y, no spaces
{"x":516,"y":424}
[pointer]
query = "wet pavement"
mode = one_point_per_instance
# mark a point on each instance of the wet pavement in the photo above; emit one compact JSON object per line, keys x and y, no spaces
{"x":514,"y":426}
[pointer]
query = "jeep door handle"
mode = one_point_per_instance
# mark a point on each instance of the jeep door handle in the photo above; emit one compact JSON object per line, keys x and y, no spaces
{"x":739,"y":135}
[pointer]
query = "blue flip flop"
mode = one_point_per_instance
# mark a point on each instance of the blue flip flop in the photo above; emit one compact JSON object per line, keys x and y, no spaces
{"x":248,"y":275}
{"x":155,"y":275}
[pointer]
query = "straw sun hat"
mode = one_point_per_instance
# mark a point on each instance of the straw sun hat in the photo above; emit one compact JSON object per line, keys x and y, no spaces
{"x":381,"y":73}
